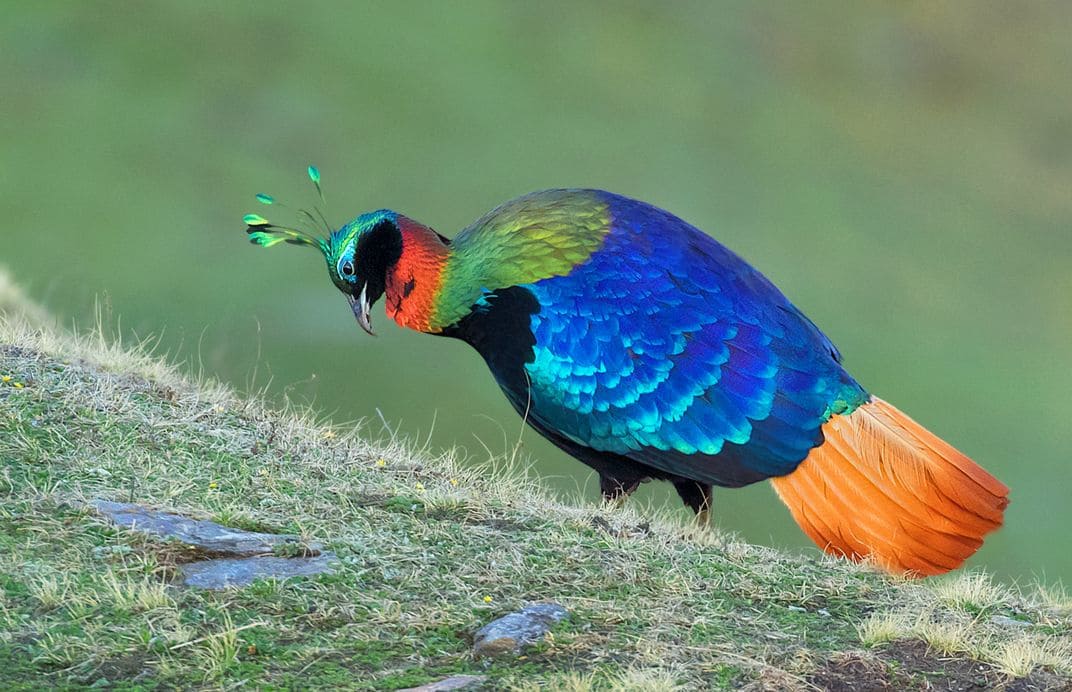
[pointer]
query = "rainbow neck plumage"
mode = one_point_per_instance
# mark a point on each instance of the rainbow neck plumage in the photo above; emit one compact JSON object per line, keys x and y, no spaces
{"x":414,"y":283}
{"x":436,"y":282}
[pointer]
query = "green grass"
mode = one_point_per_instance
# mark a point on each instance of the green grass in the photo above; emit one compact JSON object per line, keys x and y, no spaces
{"x":422,"y":541}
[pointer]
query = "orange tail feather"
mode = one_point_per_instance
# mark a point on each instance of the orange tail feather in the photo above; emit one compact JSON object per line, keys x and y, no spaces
{"x":882,"y":486}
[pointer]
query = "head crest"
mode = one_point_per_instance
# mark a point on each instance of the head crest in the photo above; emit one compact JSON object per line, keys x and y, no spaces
{"x":266,"y":234}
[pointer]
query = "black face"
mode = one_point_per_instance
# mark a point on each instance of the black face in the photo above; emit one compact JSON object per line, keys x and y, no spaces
{"x":361,"y":270}
{"x":376,"y":251}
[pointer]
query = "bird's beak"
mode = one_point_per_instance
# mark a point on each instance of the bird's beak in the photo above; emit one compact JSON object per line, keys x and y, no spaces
{"x":362,"y":309}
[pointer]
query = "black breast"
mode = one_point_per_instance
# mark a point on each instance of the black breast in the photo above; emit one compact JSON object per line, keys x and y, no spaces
{"x":499,"y":328}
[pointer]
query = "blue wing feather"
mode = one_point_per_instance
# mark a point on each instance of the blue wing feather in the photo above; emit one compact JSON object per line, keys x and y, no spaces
{"x":667,"y":348}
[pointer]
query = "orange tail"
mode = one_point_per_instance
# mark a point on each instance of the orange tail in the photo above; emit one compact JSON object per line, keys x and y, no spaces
{"x":882,"y":486}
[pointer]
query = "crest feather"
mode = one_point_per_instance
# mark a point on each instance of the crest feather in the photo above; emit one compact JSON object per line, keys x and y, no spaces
{"x":266,"y":234}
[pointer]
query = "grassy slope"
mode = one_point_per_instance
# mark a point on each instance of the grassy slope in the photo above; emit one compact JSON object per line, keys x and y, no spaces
{"x":429,"y":551}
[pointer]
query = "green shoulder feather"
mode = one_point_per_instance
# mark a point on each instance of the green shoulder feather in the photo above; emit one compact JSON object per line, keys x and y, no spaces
{"x":538,"y":236}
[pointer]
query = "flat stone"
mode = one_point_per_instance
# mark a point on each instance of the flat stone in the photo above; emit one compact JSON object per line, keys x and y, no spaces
{"x":512,"y":633}
{"x":455,"y":682}
{"x":204,"y":535}
{"x":1006,"y":621}
{"x":225,"y":572}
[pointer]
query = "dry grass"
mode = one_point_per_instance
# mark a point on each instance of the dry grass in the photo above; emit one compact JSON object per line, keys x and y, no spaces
{"x":422,"y":540}
{"x":1053,"y":597}
{"x":51,"y":591}
{"x":133,"y":595}
{"x":630,"y":680}
{"x":883,"y":627}
{"x":1023,"y":654}
{"x":1013,"y":649}
{"x":970,"y":591}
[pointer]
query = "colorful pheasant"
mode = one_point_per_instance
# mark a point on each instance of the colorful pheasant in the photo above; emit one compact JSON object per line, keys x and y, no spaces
{"x":645,"y":349}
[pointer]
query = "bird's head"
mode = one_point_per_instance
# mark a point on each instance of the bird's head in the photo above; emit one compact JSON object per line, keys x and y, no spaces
{"x":364,"y":257}
{"x":360,"y":255}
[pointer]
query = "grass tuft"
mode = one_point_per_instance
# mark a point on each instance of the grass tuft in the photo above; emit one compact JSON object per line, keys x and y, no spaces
{"x":629,"y":680}
{"x":137,"y":595}
{"x":1053,"y":597}
{"x":971,"y":591}
{"x":218,"y":652}
{"x":50,"y":591}
{"x":880,"y":628}
{"x":1020,"y":656}
{"x":945,"y":636}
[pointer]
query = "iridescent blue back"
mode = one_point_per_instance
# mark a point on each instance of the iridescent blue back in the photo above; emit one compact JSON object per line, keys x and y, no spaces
{"x":667,"y":348}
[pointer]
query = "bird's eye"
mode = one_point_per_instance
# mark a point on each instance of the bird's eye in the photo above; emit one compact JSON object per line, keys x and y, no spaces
{"x":347,"y":268}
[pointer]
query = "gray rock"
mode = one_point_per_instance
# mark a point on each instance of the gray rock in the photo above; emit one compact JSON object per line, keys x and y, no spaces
{"x":205,"y":535}
{"x":246,"y":555}
{"x":454,"y":682}
{"x":1006,"y":621}
{"x":224,"y":572}
{"x":511,"y":633}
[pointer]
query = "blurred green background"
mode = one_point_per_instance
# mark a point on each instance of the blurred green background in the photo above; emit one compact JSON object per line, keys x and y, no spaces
{"x":902,"y":171}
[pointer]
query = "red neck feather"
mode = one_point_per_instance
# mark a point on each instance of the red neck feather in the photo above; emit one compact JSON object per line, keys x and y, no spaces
{"x":413,"y":282}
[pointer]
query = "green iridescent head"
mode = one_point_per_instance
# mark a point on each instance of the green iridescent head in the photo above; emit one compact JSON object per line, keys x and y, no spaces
{"x":345,"y":262}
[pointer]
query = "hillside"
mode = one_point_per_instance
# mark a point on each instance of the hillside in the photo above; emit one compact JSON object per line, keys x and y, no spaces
{"x":428,"y":550}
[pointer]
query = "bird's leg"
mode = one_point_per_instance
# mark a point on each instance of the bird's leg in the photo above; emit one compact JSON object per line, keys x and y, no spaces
{"x":615,"y":490}
{"x":697,"y":496}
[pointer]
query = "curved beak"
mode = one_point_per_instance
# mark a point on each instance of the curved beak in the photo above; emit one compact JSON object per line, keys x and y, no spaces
{"x":362,"y":309}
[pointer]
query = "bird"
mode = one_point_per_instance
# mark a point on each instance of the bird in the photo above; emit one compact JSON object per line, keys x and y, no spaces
{"x":644,"y":348}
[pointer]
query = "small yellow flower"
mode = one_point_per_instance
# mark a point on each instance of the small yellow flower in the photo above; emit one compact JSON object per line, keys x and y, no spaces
{"x":213,"y":485}
{"x":5,"y":379}
{"x":329,"y":434}
{"x":487,"y":599}
{"x":419,"y":486}
{"x":380,"y":463}
{"x":454,"y":482}
{"x":17,"y":385}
